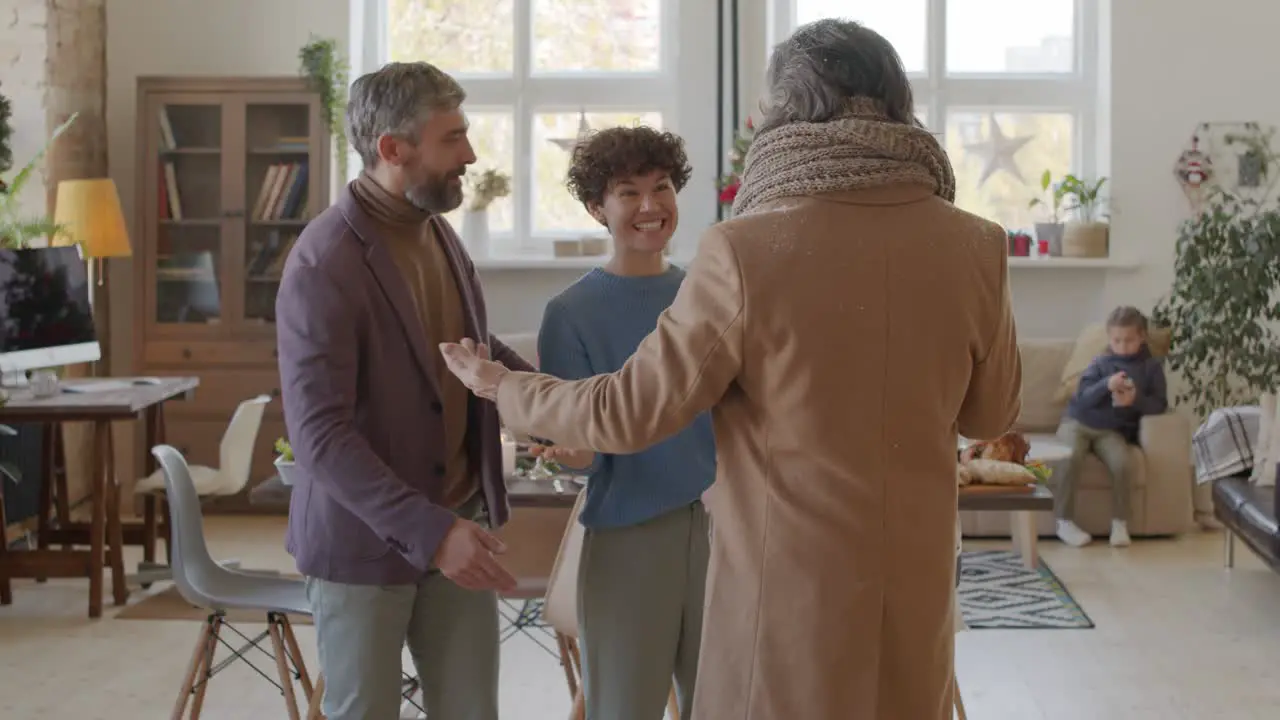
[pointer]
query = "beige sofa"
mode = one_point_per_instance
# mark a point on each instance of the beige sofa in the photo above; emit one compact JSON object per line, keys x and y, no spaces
{"x":1161,"y":474}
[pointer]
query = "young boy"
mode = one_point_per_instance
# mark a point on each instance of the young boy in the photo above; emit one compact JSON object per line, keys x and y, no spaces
{"x":1116,"y":390}
{"x":646,"y":542}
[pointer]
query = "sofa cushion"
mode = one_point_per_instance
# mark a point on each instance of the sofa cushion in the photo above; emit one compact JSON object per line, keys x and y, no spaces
{"x":1091,"y":343}
{"x":1042,"y":362}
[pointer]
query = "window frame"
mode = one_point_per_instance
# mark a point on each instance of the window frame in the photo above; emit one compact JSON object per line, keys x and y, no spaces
{"x":673,"y":90}
{"x":1075,"y":93}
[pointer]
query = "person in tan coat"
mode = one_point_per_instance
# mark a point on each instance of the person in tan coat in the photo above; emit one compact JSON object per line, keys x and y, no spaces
{"x":843,"y":327}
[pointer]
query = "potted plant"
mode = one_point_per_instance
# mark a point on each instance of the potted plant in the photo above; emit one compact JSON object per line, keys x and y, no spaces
{"x":17,"y":230}
{"x":486,"y":187}
{"x":326,"y":70}
{"x":1224,"y":306}
{"x":1087,"y":234}
{"x":1053,"y":196}
{"x":284,"y":460}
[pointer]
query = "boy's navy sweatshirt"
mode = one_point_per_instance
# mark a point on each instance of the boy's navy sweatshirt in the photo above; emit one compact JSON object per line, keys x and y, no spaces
{"x":1091,"y":405}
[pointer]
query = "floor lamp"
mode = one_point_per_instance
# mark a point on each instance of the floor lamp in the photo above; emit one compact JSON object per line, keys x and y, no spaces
{"x":89,"y":211}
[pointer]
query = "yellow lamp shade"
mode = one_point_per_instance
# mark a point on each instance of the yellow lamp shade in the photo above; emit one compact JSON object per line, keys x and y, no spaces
{"x":89,"y":210}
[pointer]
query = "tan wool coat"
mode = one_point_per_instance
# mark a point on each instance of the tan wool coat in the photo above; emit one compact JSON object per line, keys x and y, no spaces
{"x":841,"y":342}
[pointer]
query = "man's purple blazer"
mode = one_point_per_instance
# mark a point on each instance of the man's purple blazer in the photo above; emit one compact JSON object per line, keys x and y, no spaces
{"x":362,"y":405}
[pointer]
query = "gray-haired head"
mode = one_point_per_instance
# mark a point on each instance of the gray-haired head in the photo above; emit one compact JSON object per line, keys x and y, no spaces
{"x":813,"y":74}
{"x":396,"y":100}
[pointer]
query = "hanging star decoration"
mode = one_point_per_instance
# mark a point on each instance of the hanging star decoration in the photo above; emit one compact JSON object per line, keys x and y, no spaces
{"x":584,"y":129}
{"x":997,"y":152}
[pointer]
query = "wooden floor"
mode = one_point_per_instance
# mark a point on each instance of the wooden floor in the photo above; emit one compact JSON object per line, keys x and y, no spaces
{"x":1177,"y":637}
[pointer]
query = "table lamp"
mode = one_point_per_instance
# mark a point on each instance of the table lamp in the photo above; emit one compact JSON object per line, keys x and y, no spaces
{"x":89,"y":210}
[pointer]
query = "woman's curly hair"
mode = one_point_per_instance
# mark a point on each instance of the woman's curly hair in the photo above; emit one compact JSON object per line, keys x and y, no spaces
{"x":623,"y":152}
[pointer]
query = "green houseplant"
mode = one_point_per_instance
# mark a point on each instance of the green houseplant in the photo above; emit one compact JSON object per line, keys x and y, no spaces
{"x":6,"y":137}
{"x":17,"y":229}
{"x":1053,"y":197}
{"x":326,"y":70}
{"x":1086,"y":234}
{"x":284,"y":460}
{"x":1224,"y":304}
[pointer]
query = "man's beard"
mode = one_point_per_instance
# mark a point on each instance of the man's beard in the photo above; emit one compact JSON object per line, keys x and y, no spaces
{"x":437,"y":194}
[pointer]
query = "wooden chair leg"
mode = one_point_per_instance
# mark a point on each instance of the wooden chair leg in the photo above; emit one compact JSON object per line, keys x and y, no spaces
{"x":673,"y":705}
{"x":315,"y":704}
{"x":206,"y":672}
{"x":957,"y":700}
{"x":282,"y":665}
{"x":579,"y":710}
{"x":6,"y":588}
{"x":194,"y":668}
{"x":566,"y":662}
{"x":295,"y":653}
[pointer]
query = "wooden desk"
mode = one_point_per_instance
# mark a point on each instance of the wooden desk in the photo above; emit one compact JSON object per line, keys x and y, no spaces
{"x":525,"y":493}
{"x":105,"y":533}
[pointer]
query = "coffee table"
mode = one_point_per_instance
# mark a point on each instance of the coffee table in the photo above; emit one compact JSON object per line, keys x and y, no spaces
{"x":1022,"y":506}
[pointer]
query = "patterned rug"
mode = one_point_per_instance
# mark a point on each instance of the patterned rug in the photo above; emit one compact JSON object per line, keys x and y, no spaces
{"x":998,"y":592}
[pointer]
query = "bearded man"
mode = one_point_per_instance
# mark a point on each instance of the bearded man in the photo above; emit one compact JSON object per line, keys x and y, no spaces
{"x":400,"y":467}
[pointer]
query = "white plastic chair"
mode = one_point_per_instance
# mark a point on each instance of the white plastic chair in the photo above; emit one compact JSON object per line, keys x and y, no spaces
{"x":235,"y":457}
{"x":205,"y":584}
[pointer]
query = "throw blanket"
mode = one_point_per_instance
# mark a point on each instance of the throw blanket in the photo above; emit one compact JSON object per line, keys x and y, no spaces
{"x":1223,"y":445}
{"x":860,"y":149}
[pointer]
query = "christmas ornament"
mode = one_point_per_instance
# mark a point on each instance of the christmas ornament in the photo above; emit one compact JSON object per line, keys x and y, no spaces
{"x":998,"y":151}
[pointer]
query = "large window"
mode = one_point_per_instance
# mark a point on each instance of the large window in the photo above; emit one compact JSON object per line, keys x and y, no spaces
{"x":539,"y":73}
{"x":1010,"y":86}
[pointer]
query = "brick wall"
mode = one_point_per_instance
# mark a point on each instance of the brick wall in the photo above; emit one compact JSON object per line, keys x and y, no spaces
{"x":23,"y":46}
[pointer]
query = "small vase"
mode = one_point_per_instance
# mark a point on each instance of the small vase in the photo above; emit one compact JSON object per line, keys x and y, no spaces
{"x":475,"y":232}
{"x":284,"y":468}
{"x":1052,"y":232}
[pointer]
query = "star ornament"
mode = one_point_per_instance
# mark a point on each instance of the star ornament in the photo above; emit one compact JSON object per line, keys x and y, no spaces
{"x":998,"y":151}
{"x":568,"y":144}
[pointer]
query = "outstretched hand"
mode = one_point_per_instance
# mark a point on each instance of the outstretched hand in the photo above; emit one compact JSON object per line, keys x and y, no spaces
{"x":470,"y":363}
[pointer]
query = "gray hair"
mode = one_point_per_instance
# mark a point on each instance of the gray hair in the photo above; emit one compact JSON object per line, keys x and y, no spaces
{"x":396,"y":100}
{"x":813,"y":74}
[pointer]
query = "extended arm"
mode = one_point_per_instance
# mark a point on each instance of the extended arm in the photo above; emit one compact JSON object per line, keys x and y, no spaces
{"x":1092,"y":390}
{"x":994,"y":398}
{"x":316,"y":330}
{"x":1154,"y":393}
{"x":680,"y":370}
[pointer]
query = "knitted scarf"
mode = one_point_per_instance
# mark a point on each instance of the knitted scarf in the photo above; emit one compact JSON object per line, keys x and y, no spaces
{"x":860,"y":149}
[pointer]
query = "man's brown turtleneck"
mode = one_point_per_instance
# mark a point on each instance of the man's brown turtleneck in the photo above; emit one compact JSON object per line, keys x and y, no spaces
{"x":417,"y":251}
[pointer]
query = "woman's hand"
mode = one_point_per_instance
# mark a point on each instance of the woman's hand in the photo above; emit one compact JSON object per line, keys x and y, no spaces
{"x":568,"y":457}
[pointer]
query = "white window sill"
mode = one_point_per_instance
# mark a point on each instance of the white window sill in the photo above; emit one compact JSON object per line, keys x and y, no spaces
{"x":546,"y":262}
{"x":1066,"y":263}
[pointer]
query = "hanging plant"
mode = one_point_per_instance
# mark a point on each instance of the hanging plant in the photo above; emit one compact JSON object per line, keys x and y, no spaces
{"x":325,"y":69}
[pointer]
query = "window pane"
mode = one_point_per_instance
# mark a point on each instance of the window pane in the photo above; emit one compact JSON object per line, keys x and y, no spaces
{"x":596,"y":35}
{"x":492,"y":135}
{"x":901,"y":22}
{"x":1010,"y":36}
{"x":458,"y":36}
{"x":554,"y":209}
{"x":998,"y":166}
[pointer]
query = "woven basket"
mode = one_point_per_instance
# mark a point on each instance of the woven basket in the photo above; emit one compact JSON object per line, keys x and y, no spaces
{"x":1085,"y":240}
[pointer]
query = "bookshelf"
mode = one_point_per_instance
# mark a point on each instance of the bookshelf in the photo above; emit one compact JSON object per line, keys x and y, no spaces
{"x":230,"y":170}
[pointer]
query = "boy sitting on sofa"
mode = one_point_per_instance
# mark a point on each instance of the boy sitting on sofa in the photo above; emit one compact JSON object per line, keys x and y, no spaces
{"x":1118,"y":388}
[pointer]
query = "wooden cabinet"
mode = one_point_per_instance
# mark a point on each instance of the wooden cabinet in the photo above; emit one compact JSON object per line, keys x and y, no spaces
{"x":229,"y":172}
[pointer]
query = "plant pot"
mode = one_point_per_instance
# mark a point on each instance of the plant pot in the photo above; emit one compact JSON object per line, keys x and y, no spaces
{"x":1085,"y":240}
{"x":475,"y":232}
{"x":1052,"y":232}
{"x":285,"y":468}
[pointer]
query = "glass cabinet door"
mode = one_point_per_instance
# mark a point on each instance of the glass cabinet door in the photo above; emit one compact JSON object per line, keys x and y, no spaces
{"x":279,"y":179}
{"x":190,"y":240}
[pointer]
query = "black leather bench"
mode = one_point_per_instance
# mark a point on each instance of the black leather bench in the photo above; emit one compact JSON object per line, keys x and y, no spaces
{"x":1249,"y":513}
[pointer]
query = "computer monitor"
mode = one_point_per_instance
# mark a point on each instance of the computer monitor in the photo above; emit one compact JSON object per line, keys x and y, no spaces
{"x":45,"y":315}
